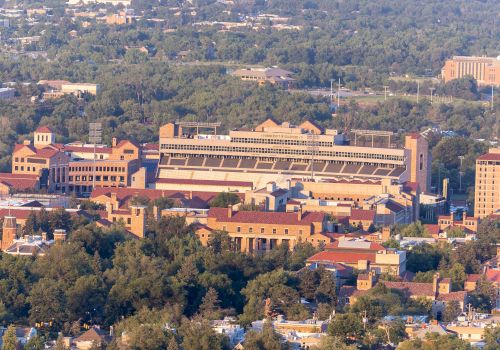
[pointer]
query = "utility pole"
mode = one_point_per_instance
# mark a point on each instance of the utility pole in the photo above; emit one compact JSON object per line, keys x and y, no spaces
{"x":331,"y":94}
{"x":385,"y":92}
{"x":338,"y":95}
{"x":460,"y":173}
{"x":365,"y":320}
{"x":432,"y":90}
{"x":418,"y":90}
{"x":491,"y":96}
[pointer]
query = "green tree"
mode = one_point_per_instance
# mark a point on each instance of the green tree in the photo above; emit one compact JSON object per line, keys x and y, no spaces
{"x":268,"y":339}
{"x":198,"y":335}
{"x":9,"y":339}
{"x":224,"y":199}
{"x":347,"y":327}
{"x":35,"y":343}
{"x":209,"y":308}
{"x":451,"y":311}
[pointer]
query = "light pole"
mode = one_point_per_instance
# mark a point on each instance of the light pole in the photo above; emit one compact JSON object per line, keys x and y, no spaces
{"x":385,"y":92}
{"x":432,"y":90}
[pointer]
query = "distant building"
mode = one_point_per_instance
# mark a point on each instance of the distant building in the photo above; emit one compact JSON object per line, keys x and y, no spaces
{"x":92,"y":339}
{"x":275,"y":76}
{"x":274,"y":152}
{"x":439,"y":291}
{"x":253,"y":231}
{"x":7,"y":93}
{"x":487,"y":191}
{"x":486,"y":70}
{"x":363,"y":256}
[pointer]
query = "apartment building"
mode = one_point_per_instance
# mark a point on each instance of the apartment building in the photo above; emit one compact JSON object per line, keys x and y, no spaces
{"x":275,"y":152}
{"x":254,"y":231}
{"x":486,"y":70}
{"x":487,"y":191}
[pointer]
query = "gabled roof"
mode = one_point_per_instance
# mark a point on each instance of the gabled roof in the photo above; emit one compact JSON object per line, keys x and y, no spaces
{"x":452,"y":296}
{"x":94,"y":334}
{"x":44,"y":129}
{"x":19,"y":181}
{"x":490,"y":156}
{"x":493,"y":275}
{"x":279,"y":218}
{"x":412,"y":288}
{"x":361,"y":246}
{"x":327,"y":257}
{"x":362,"y":215}
{"x":473,"y":277}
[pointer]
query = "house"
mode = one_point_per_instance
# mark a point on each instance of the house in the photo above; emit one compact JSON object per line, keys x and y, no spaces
{"x":91,"y":339}
{"x":273,"y":75}
{"x":362,"y":255}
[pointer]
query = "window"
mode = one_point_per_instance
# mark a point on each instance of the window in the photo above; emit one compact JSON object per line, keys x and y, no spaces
{"x":238,"y":229}
{"x":286,"y":231}
{"x":250,"y":230}
{"x":129,"y":221}
{"x":224,"y":228}
{"x":262,"y":230}
{"x":274,"y":231}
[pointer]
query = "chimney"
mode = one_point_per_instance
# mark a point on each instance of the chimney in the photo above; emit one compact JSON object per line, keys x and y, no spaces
{"x":113,"y":142}
{"x":190,"y":195}
{"x":271,"y":186}
{"x":44,"y":236}
{"x":109,"y":207}
{"x":229,"y":211}
{"x":156,"y":213}
{"x":452,"y":218}
{"x":299,"y":213}
{"x":59,"y":235}
{"x":464,"y":217}
{"x":26,"y":142}
{"x":114,"y":199}
{"x":435,"y":283}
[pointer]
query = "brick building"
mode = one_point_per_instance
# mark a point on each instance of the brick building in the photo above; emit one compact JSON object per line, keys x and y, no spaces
{"x":254,"y":231}
{"x":363,"y":256}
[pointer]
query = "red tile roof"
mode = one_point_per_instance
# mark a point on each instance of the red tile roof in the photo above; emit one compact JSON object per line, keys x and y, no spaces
{"x":199,"y":199}
{"x":493,"y":275}
{"x":432,"y":229}
{"x":474,"y":277}
{"x":279,"y":218}
{"x":452,"y":296}
{"x":361,"y":246}
{"x":204,"y":182}
{"x":412,"y":288}
{"x":362,"y":215}
{"x":326,"y":257}
{"x":489,"y":156}
{"x":151,"y":147}
{"x":83,"y":149}
{"x":44,"y":129}
{"x":19,"y":182}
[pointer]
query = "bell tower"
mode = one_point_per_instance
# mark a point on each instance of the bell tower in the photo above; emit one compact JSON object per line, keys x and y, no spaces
{"x":9,"y":232}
